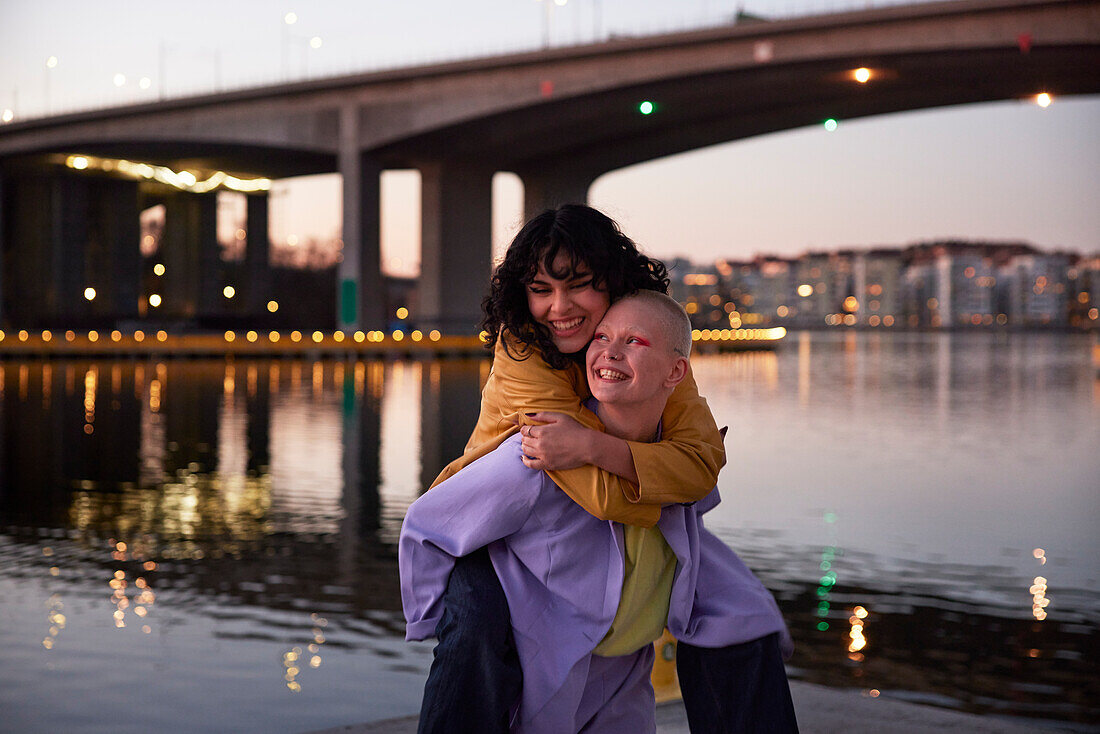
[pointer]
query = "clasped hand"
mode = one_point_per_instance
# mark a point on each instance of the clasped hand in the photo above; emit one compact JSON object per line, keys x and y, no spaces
{"x":557,"y":443}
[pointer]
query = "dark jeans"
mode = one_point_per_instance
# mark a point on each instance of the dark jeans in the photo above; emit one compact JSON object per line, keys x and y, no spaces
{"x":740,"y":689}
{"x":475,"y":677}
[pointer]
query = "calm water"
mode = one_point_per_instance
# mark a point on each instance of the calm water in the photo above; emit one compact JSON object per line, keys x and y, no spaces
{"x":200,"y":545}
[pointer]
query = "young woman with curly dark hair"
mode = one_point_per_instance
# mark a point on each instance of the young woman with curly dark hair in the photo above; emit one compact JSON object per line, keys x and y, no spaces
{"x":571,"y":241}
{"x":560,"y":274}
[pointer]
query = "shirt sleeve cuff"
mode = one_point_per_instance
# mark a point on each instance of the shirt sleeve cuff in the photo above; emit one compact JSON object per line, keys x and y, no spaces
{"x":421,"y":629}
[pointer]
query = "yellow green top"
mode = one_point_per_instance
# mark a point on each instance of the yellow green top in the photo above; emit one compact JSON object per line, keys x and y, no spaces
{"x":640,"y":619}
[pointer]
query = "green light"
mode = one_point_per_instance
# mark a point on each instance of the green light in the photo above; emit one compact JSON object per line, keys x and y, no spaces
{"x":822,"y":626}
{"x":830,"y":516}
{"x":822,"y":612}
{"x":646,"y":107}
{"x":830,"y":125}
{"x":825,"y":565}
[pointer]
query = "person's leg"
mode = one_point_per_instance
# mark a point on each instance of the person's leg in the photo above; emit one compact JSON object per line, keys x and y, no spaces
{"x":736,"y":689}
{"x":618,"y":696}
{"x":475,"y":677}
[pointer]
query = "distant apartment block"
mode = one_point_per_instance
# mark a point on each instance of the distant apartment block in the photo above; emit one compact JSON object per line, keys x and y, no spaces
{"x":938,"y":285}
{"x":1037,"y":289}
{"x":877,"y":276}
{"x":1084,"y":307}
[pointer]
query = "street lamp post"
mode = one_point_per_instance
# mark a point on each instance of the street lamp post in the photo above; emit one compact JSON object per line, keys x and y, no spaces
{"x":288,"y":39}
{"x":288,"y":20}
{"x":51,"y":63}
{"x":548,"y":17}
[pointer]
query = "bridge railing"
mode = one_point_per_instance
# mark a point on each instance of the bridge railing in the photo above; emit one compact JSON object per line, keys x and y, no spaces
{"x":669,"y":18}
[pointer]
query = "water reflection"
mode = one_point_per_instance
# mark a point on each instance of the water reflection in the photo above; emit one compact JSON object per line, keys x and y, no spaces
{"x":242,"y":515}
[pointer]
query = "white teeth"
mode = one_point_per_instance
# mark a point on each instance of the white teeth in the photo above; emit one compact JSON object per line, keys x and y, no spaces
{"x":567,"y":325}
{"x":611,"y":374}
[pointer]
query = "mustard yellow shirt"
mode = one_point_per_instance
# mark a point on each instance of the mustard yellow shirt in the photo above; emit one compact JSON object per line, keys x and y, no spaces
{"x":682,"y":467}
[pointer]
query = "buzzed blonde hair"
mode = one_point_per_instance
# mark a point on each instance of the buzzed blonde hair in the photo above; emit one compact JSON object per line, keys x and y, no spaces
{"x":671,"y":318}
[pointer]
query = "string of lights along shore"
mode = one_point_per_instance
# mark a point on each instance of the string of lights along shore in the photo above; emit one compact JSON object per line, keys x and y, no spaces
{"x":246,"y":206}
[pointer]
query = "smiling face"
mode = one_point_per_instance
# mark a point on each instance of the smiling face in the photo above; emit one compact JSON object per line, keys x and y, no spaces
{"x":632,"y":359}
{"x":570,"y":307}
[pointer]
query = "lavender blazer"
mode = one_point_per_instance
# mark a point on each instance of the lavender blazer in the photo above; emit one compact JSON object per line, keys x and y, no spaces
{"x":562,"y":573}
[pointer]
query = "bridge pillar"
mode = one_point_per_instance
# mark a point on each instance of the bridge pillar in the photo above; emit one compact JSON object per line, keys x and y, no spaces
{"x":548,"y":189}
{"x":455,"y":245}
{"x":27,"y":226}
{"x":121,"y":227}
{"x":257,"y":255}
{"x":210,"y":281}
{"x":360,"y":294}
{"x":69,"y":236}
{"x":178,"y":251}
{"x":189,"y":250}
{"x":183,"y":256}
{"x":3,"y":254}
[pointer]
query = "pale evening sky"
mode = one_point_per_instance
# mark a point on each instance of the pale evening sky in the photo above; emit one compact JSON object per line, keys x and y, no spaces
{"x":1004,"y":170}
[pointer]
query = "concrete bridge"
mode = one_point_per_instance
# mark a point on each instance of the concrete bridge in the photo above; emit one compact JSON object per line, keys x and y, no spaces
{"x":558,"y":118}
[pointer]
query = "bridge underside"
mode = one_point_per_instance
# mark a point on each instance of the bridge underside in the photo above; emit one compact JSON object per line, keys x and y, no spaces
{"x":604,"y":132}
{"x":242,"y":161}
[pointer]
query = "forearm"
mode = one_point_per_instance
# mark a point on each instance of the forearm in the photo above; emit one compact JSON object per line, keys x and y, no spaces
{"x":612,"y":454}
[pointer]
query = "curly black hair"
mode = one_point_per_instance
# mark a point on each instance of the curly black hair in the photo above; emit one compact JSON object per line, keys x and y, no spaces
{"x":587,"y":237}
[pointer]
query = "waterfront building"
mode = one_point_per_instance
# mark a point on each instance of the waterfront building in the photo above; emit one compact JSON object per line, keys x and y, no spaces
{"x":1084,"y":301}
{"x":918,"y":290}
{"x":775,"y":297}
{"x":964,"y":285}
{"x":697,"y":287}
{"x":1037,"y":289}
{"x":842,"y":283}
{"x":814,"y":295}
{"x":877,"y":276}
{"x":934,"y":285}
{"x":739,"y":280}
{"x":954,"y":285}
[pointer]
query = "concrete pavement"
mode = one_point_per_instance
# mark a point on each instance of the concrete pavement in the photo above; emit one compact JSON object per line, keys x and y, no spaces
{"x":821,"y":710}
